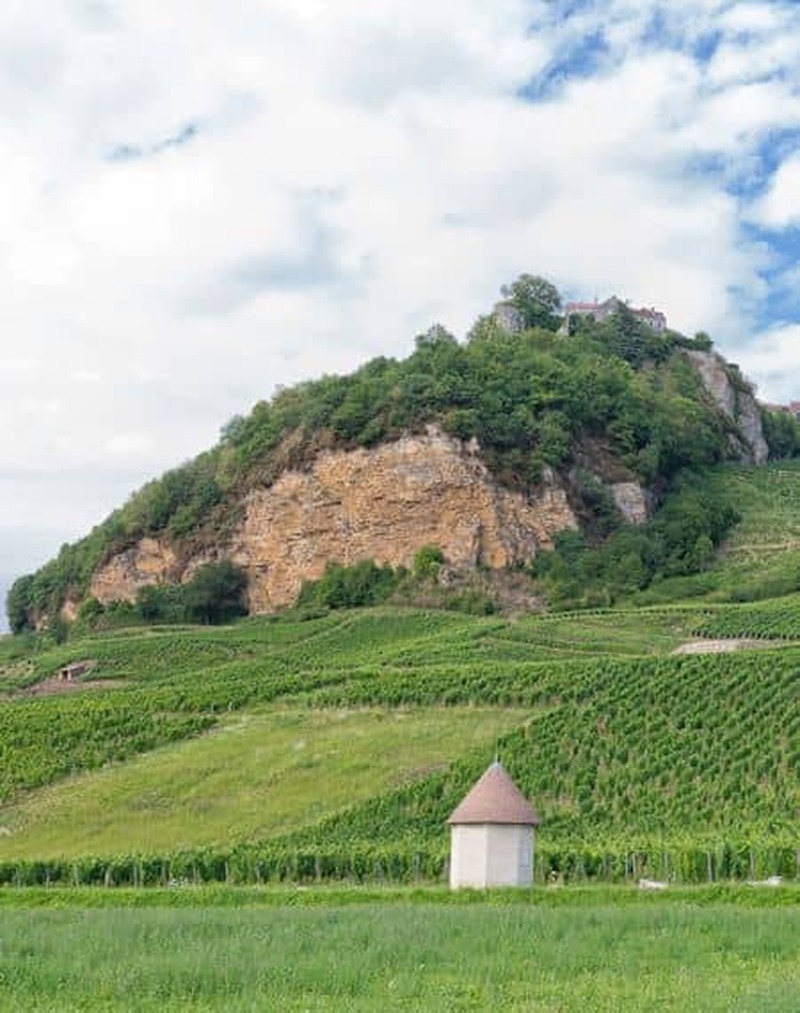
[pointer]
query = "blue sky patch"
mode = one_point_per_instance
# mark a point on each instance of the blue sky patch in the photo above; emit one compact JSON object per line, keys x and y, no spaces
{"x":581,"y":61}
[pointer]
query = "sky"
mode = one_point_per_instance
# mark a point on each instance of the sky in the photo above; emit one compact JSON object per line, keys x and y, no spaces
{"x":202,"y":201}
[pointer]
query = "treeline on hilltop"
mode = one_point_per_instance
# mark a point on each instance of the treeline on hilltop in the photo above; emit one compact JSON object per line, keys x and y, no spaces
{"x":535,"y":398}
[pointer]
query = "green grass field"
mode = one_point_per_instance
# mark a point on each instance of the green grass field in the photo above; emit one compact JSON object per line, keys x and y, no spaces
{"x":544,"y":952}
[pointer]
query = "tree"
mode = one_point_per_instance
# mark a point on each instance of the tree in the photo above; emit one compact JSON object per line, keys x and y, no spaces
{"x":90,"y":611}
{"x":537,"y":299}
{"x":782,"y":433}
{"x":363,"y":583}
{"x":215,"y":594}
{"x":162,"y":603}
{"x":703,"y":341}
{"x":17,"y":604}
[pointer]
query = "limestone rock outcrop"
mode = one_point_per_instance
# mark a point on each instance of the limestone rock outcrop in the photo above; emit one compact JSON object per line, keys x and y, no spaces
{"x":382,"y":503}
{"x":632,"y":501}
{"x":736,"y":400}
{"x":150,"y":561}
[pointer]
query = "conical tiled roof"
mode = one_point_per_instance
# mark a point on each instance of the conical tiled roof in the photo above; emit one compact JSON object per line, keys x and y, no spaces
{"x":494,"y":798}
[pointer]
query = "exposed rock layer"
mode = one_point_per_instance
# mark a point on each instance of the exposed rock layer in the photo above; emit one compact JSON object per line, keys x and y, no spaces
{"x":383,"y":504}
{"x":632,"y":501}
{"x":736,"y":400}
{"x":150,"y":561}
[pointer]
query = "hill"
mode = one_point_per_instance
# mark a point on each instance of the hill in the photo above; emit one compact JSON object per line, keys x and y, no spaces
{"x":335,"y":745}
{"x":487,"y":449}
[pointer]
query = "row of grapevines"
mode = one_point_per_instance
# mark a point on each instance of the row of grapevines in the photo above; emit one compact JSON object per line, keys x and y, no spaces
{"x":777,"y":618}
{"x":647,"y":746}
{"x":408,"y":861}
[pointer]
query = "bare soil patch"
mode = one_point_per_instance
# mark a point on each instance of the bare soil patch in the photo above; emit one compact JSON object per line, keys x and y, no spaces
{"x":724,"y":645}
{"x":50,"y":687}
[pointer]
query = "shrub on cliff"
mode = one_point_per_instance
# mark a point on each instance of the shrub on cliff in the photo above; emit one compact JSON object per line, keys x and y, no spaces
{"x":428,"y":561}
{"x":363,"y":583}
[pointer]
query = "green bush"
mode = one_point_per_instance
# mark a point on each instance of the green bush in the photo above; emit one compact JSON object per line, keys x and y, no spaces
{"x":428,"y":561}
{"x":363,"y":583}
{"x":680,"y":540}
{"x":782,"y":433}
{"x":216,"y":593}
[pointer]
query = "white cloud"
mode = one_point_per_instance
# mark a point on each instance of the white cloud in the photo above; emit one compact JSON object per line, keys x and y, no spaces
{"x":780,"y":206}
{"x":772,"y":361}
{"x":753,"y":18}
{"x":200,"y":205}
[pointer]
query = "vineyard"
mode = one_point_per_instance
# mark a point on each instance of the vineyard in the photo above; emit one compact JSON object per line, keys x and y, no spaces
{"x":761,"y":558}
{"x":639,"y":760}
{"x":778,"y":619}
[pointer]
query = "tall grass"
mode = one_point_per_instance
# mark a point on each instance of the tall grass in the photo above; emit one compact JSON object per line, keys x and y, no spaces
{"x":669,"y":956}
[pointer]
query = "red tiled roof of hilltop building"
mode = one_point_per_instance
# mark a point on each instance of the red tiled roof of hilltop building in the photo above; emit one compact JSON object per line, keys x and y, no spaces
{"x":575,"y":306}
{"x":494,"y":798}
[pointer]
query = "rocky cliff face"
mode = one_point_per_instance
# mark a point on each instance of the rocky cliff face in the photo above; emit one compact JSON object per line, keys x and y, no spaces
{"x":737,"y":401}
{"x":633,"y":501}
{"x":383,"y":504}
{"x":150,"y":561}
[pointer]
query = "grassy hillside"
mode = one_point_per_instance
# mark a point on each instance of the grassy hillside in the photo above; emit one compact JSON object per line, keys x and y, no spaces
{"x":255,"y":776}
{"x":761,"y":556}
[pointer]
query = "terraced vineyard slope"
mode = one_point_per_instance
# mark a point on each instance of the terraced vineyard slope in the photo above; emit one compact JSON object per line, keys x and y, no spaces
{"x":336,"y":746}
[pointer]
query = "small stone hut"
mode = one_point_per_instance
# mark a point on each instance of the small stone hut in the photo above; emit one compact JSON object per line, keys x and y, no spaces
{"x":492,"y":834}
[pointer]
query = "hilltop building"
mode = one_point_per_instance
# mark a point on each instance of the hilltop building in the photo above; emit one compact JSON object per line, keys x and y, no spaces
{"x":600,"y":310}
{"x":492,"y":834}
{"x":792,"y":408}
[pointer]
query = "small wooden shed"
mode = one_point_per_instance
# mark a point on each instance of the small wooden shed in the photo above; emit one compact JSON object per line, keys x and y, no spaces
{"x":492,"y":834}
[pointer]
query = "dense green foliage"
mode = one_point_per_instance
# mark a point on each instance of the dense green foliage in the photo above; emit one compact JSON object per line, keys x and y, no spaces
{"x":680,"y":540}
{"x":363,"y":583}
{"x":615,"y":391}
{"x":536,"y":300}
{"x":782,"y":433}
{"x":215,"y":593}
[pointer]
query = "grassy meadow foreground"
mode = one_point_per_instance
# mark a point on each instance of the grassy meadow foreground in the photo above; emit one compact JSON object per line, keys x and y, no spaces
{"x":570,"y":949}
